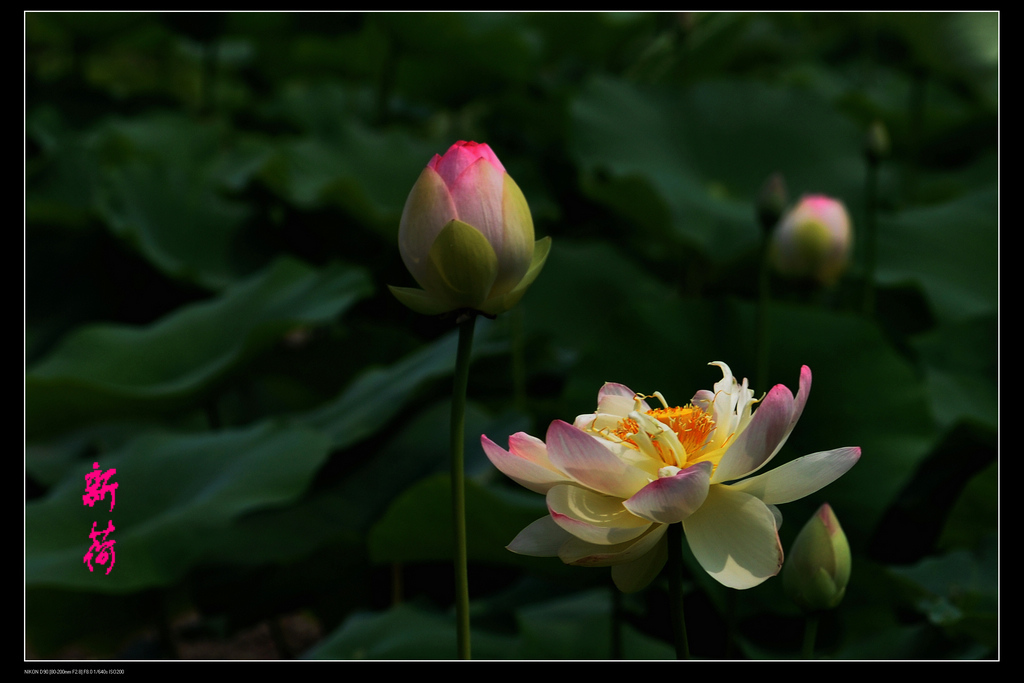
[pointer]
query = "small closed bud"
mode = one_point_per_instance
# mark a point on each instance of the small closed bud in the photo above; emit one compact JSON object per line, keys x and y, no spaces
{"x":466,"y":236}
{"x":876,"y":142}
{"x":771,"y":201}
{"x":813,"y":240}
{"x":817,"y":569}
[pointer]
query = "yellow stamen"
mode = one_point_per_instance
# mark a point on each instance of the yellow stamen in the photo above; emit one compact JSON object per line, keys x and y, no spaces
{"x":691,"y":426}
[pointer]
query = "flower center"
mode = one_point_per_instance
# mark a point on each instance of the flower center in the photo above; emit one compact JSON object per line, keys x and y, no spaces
{"x":690,"y":425}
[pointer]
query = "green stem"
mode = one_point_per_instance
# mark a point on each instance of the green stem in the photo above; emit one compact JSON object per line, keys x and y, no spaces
{"x":396,"y":583}
{"x":213,"y":414}
{"x":730,"y":625}
{"x":386,"y":79}
{"x":518,"y":358}
{"x":761,"y":338}
{"x":675,"y":589}
{"x":459,"y":484}
{"x":279,"y":639}
{"x":871,"y":234}
{"x":208,"y":75}
{"x":810,"y":633}
{"x":617,"y":617}
{"x":160,"y":603}
{"x":915,"y":133}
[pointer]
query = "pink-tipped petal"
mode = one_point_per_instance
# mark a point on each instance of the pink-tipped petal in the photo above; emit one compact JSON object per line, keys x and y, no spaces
{"x":800,"y":477}
{"x":586,"y":459}
{"x":799,"y":402}
{"x":461,"y":155}
{"x":802,"y":393}
{"x":526,"y":464}
{"x":542,"y":538}
{"x":478,"y":196}
{"x":457,"y":159}
{"x":756,"y":444}
{"x":484,"y":150}
{"x":530,"y":447}
{"x":734,"y":538}
{"x":593,"y":517}
{"x":672,"y":499}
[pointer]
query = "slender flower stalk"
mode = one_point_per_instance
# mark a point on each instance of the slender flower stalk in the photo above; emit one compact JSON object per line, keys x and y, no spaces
{"x":771,"y":203}
{"x":810,"y":635}
{"x":396,"y":584}
{"x":730,"y":623}
{"x":875,"y":149}
{"x":675,"y":584}
{"x":916,"y":105}
{"x":466,"y":236}
{"x":458,"y":443}
{"x":870,"y":193}
{"x":762,"y":336}
{"x":518,"y":359}
{"x":617,"y":617}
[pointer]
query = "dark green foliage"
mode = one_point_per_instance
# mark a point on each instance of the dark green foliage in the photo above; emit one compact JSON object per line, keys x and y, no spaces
{"x":212,"y":205}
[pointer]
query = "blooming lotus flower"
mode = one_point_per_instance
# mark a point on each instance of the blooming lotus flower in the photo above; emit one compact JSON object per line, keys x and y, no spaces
{"x":466,"y":235}
{"x":813,"y":240}
{"x":615,"y":478}
{"x":818,"y":568}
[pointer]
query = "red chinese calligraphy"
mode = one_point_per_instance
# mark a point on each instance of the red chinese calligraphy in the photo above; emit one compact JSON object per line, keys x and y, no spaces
{"x":96,"y":486}
{"x":104,"y":550}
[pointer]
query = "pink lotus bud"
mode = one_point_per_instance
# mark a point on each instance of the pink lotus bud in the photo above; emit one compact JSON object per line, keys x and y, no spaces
{"x":813,"y":240}
{"x":818,"y":567}
{"x":466,"y":235}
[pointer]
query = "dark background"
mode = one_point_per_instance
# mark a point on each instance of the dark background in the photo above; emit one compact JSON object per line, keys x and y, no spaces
{"x":212,"y":206}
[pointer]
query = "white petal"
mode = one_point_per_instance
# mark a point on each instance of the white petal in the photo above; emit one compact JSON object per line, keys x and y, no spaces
{"x":629,"y":577}
{"x":542,"y":538}
{"x":584,"y":421}
{"x":800,"y":477}
{"x":527,"y":464}
{"x":731,"y":401}
{"x":587,"y":460}
{"x":583,"y":554}
{"x":593,"y":517}
{"x":618,"y":406}
{"x":601,"y":422}
{"x":672,"y":499}
{"x":733,"y":536}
